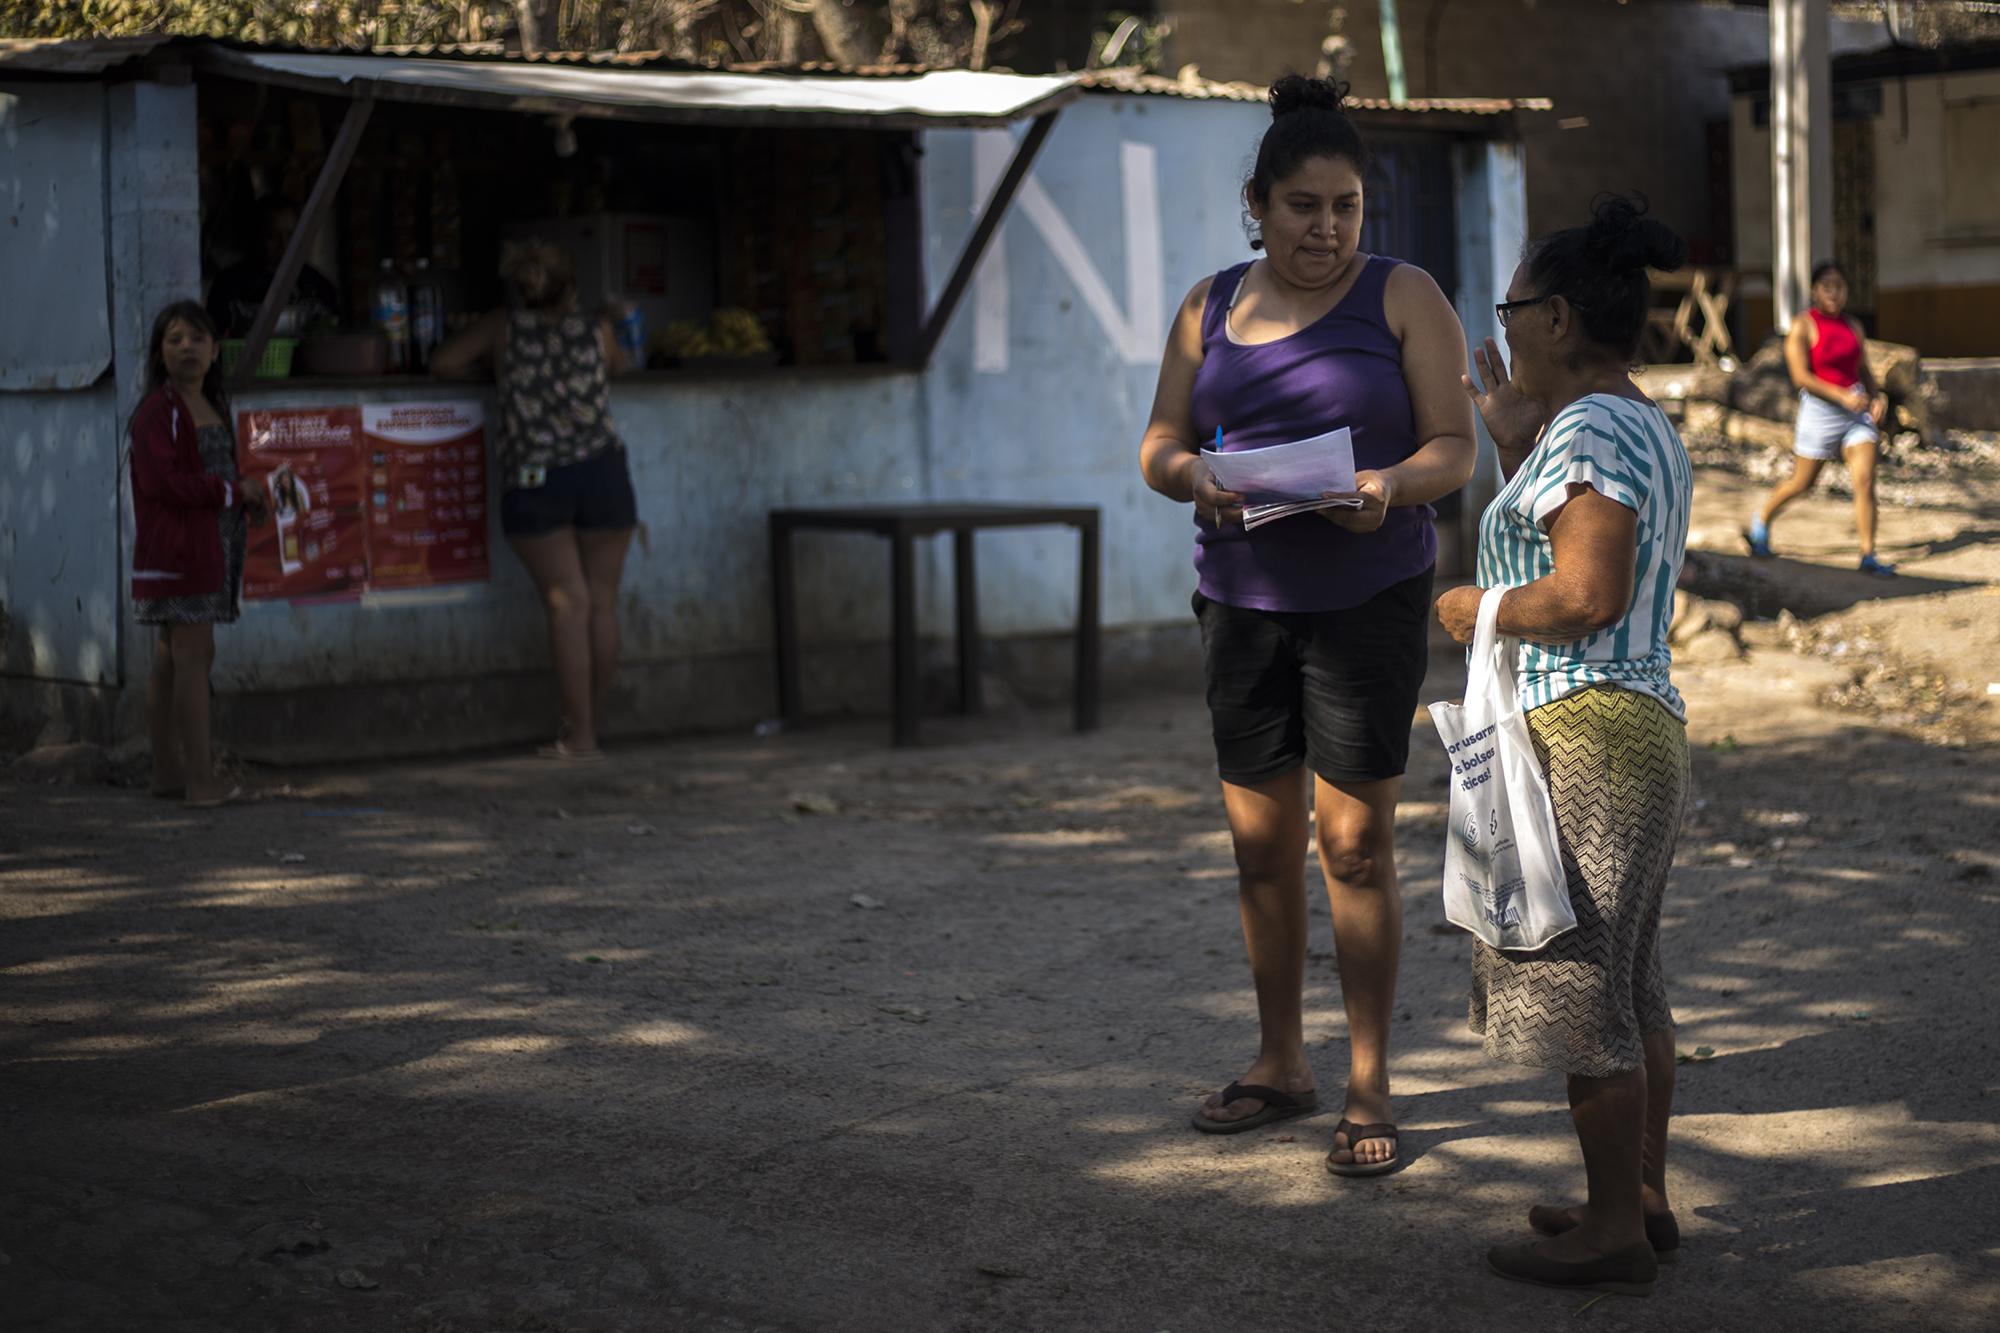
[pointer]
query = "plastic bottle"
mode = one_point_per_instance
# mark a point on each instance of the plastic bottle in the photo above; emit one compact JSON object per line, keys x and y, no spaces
{"x":631,"y":331}
{"x":392,"y":315}
{"x":426,"y":314}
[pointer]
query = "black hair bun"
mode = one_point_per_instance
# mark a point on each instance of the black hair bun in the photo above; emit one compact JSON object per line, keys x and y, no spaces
{"x":1621,"y":238}
{"x":1296,"y":92}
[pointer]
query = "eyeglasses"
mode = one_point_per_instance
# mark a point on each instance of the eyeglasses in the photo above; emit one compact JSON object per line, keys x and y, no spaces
{"x":1505,"y":309}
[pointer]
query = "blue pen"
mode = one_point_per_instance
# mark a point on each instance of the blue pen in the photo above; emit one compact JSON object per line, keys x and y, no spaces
{"x":1218,"y":439}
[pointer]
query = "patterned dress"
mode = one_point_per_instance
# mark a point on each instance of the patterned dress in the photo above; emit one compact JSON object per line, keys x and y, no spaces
{"x":218,"y":459}
{"x":555,"y":395}
{"x":1609,"y":730}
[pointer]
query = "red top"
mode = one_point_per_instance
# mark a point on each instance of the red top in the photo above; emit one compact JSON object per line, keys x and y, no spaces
{"x":1836,"y":352}
{"x":176,"y":544}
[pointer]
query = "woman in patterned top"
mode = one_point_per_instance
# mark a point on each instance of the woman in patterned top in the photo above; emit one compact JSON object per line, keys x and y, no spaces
{"x":187,"y":544}
{"x":568,"y":509}
{"x":1588,"y":536}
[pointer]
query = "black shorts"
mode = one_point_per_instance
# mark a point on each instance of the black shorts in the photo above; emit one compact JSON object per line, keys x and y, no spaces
{"x":1336,"y":690}
{"x":595,"y":493}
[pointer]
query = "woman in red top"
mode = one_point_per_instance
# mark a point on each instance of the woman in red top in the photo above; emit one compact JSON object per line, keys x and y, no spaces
{"x":187,"y":544}
{"x":1840,"y":413}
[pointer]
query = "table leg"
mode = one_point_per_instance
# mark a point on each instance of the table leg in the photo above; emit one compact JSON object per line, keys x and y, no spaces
{"x":903,"y":594}
{"x":1089,"y":655}
{"x":966,"y":575}
{"x":784,"y":617}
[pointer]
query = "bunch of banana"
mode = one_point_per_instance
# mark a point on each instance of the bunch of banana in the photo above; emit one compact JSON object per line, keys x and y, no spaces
{"x":686,"y":338}
{"x":733,"y":331}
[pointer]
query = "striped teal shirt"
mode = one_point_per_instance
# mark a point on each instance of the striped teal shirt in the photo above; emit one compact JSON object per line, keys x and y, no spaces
{"x":1627,"y":451}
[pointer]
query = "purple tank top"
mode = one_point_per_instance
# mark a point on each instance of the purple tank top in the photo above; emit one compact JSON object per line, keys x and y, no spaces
{"x":1344,"y":370}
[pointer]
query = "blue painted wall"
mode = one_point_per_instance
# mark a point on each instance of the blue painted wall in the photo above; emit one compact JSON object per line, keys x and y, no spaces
{"x":61,"y":565}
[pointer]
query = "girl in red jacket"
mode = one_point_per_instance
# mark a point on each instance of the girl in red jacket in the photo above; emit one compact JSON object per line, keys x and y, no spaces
{"x":187,"y":547}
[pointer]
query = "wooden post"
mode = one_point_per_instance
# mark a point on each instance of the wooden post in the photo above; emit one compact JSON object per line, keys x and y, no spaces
{"x":784,"y":619}
{"x":1801,"y":153}
{"x":966,"y":577}
{"x":903,"y":595}
{"x":982,"y":235}
{"x":318,"y":203}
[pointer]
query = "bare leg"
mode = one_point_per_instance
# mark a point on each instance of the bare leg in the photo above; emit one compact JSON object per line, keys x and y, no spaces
{"x":1861,"y":470}
{"x":553,"y":563}
{"x":1357,"y":853}
{"x":602,"y":552}
{"x":169,"y":774}
{"x":1267,"y":823}
{"x":1660,"y":1073}
{"x":1659,"y":1110}
{"x":194,"y":653}
{"x":1610,"y":1118}
{"x":1805,"y":471}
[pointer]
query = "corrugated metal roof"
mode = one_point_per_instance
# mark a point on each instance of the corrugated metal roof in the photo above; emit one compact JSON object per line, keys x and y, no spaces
{"x":938,"y":98}
{"x":88,"y":56}
{"x":1886,"y":62}
{"x":75,"y":56}
{"x":1159,"y":85}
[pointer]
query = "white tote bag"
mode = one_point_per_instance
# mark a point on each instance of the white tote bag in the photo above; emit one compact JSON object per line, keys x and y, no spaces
{"x":1503,"y":871}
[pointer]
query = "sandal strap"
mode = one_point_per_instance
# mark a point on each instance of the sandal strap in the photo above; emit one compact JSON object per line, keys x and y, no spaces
{"x":1358,"y":1134}
{"x":1284,"y":1101}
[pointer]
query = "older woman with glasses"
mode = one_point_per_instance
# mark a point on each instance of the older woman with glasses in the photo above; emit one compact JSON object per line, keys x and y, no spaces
{"x":1588,"y":536}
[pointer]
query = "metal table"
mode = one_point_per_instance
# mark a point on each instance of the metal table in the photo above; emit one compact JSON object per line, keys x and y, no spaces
{"x":902,"y":524}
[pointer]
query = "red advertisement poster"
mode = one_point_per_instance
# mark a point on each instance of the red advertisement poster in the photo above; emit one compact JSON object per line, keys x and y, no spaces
{"x":307,"y":460}
{"x":426,"y":483}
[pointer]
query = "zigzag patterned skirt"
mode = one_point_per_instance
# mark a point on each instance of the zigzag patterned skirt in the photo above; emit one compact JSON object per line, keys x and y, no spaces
{"x":1617,"y":765}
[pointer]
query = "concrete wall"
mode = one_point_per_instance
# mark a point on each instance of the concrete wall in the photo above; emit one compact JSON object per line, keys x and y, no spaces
{"x":1044,"y":382}
{"x":1635,"y":86}
{"x":93,"y":172}
{"x":62,"y":567}
{"x":52,"y":260}
{"x":1938,"y":284}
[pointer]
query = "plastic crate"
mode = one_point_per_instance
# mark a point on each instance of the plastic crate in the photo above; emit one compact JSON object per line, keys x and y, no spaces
{"x":275,"y":364}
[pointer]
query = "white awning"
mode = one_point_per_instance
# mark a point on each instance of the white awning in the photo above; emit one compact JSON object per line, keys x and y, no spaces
{"x":932,"y":100}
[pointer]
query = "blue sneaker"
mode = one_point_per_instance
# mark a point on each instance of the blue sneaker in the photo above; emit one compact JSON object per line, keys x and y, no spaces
{"x":1758,"y":538}
{"x":1881,"y":569}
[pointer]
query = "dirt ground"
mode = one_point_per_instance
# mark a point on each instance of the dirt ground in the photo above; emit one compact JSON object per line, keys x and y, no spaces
{"x":811,"y":1034}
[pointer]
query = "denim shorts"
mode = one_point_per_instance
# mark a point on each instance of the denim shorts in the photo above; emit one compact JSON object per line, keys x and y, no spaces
{"x":1825,"y":430}
{"x":595,"y":493}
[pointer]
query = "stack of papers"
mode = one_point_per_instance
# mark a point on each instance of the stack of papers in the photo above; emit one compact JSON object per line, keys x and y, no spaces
{"x":1280,"y":480}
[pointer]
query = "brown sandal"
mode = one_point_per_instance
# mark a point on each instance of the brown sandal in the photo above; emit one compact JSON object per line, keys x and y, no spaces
{"x":1356,"y":1136}
{"x":1278,"y":1105}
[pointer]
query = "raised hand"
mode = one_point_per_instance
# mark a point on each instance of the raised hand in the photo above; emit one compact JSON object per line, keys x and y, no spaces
{"x":1513,"y":419}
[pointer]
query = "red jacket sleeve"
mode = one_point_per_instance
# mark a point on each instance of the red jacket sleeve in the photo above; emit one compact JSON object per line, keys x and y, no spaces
{"x":160,"y":469}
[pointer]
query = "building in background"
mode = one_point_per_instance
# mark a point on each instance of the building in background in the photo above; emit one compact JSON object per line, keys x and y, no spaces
{"x":1916,"y":194}
{"x":1641,"y":91}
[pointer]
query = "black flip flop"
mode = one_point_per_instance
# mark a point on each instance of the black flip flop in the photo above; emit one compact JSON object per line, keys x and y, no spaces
{"x":1278,"y":1105}
{"x":1356,"y":1136}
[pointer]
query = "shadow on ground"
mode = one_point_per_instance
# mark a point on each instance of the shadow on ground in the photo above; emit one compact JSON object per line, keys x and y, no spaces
{"x":814,"y":1035}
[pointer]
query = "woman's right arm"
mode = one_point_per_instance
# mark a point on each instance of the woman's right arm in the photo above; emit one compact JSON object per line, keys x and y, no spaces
{"x":159,"y":472}
{"x":1798,"y":360}
{"x":460,"y":356}
{"x":1169,"y":453}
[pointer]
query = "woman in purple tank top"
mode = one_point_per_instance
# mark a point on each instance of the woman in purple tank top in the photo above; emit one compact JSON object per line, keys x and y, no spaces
{"x":1314,"y":626}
